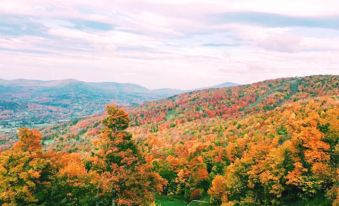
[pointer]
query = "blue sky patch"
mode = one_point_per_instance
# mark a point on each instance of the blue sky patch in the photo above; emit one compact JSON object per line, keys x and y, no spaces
{"x":276,"y":20}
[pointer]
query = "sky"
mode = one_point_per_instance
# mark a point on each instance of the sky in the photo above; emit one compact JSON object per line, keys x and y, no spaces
{"x":180,"y":44}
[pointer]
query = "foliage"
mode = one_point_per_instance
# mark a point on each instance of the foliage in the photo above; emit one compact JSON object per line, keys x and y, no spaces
{"x":125,"y":176}
{"x":269,"y":143}
{"x":273,"y":172}
{"x":24,"y":171}
{"x":116,"y":172}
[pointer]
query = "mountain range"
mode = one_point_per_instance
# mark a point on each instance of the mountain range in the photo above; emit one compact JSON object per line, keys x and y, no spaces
{"x":31,"y":102}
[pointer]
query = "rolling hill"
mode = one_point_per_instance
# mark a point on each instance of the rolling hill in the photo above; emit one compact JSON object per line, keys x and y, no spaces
{"x":215,"y":103}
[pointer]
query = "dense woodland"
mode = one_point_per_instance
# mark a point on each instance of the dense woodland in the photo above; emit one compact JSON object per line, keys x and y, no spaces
{"x":114,"y":172}
{"x":269,"y":143}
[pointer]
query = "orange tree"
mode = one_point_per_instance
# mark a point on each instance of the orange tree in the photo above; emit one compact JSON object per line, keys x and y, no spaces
{"x":126,"y":178}
{"x":24,"y":172}
{"x":289,"y":155}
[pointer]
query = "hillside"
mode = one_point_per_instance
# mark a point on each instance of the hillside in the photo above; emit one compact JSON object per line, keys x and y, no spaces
{"x":203,"y":105}
{"x":233,"y":101}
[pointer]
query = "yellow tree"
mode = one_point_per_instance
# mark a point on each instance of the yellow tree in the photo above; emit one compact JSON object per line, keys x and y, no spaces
{"x":24,"y":172}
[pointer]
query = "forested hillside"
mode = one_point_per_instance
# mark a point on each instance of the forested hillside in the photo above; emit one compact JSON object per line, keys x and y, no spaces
{"x":234,"y":101}
{"x":270,"y":143}
{"x":115,"y":172}
{"x":204,"y":105}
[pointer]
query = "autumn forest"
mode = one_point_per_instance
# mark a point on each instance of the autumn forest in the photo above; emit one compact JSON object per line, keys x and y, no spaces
{"x":274,"y":142}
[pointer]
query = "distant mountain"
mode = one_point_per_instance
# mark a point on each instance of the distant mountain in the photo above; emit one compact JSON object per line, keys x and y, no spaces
{"x":225,"y":84}
{"x":222,"y":85}
{"x":30,"y":102}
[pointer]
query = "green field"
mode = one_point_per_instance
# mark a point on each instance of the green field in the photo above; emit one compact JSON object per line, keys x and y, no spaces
{"x":167,"y":201}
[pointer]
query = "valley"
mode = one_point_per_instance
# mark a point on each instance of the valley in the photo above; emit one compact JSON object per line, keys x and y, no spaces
{"x":32,"y":103}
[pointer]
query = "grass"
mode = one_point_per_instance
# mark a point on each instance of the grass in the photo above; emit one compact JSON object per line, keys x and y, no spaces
{"x":166,"y":201}
{"x":169,"y":201}
{"x":317,"y":201}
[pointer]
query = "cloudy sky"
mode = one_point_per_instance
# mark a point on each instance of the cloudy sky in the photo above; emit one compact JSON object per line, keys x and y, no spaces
{"x":168,"y":43}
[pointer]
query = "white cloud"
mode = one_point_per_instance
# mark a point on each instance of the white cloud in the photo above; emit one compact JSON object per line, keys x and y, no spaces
{"x":168,"y":43}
